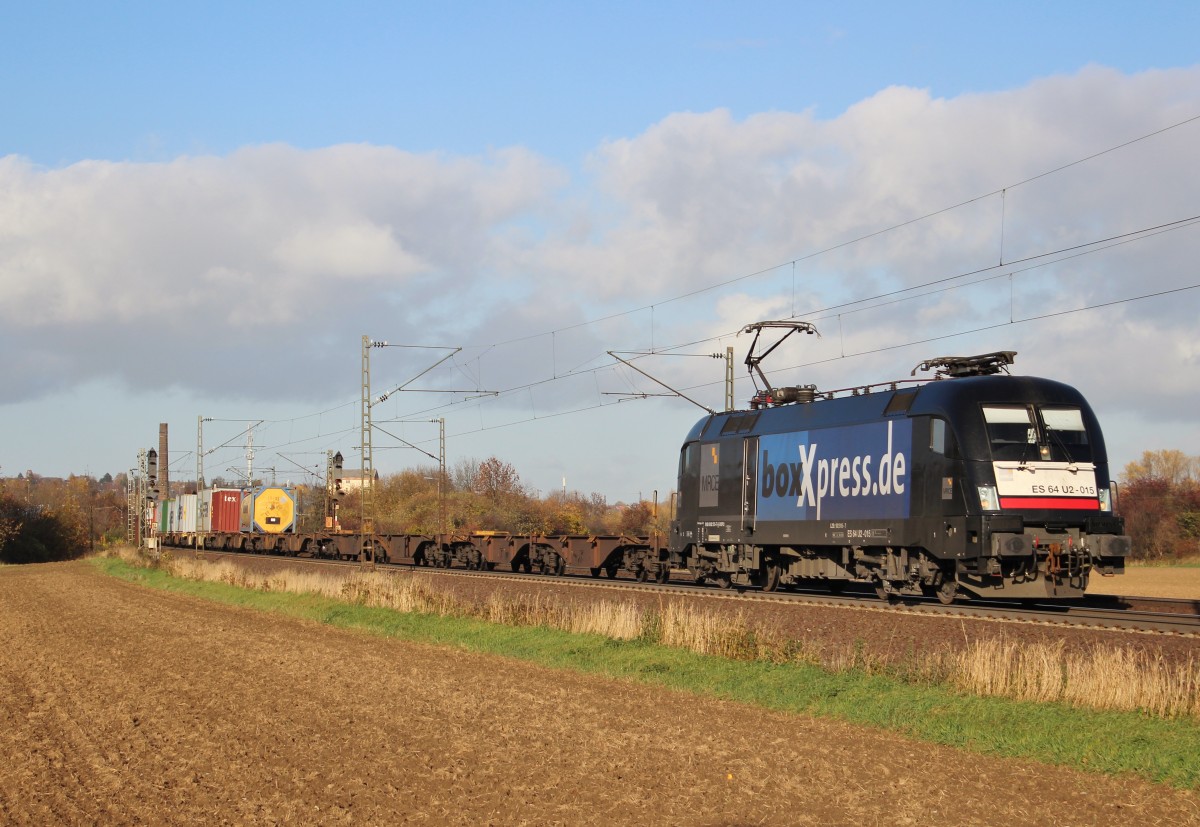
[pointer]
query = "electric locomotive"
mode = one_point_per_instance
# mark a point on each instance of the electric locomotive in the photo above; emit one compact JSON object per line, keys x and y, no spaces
{"x":975,"y":481}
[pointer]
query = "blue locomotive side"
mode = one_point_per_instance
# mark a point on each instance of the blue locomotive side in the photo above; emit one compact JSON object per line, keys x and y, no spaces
{"x":854,"y":472}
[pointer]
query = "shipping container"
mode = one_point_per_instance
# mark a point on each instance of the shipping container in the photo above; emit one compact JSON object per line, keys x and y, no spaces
{"x":269,"y":510}
{"x":185,"y":513}
{"x":224,"y":508}
{"x":162,"y":513}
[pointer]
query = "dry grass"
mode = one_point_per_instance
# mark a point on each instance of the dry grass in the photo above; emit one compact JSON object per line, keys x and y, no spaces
{"x":1101,"y":677}
{"x":710,"y":633}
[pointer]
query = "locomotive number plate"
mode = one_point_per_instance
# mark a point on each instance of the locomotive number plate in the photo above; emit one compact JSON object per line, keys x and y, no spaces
{"x":1046,"y":485}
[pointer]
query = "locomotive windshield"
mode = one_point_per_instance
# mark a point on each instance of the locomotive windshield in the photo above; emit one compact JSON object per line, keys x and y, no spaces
{"x":1066,"y":434}
{"x":1027,"y":432}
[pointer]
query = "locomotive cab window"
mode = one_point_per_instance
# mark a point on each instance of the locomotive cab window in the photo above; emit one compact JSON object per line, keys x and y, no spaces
{"x":1011,"y":432}
{"x":1066,"y":434}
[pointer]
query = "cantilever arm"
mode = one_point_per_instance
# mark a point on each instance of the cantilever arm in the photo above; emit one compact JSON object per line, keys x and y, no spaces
{"x":680,"y":394}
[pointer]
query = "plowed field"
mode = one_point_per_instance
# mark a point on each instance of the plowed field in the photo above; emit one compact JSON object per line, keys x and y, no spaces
{"x":121,"y":704}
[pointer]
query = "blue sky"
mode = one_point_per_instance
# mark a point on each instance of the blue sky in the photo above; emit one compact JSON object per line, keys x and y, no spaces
{"x":206,"y":205}
{"x":149,"y":81}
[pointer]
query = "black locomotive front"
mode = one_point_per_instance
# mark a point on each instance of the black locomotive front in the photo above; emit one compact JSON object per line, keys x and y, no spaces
{"x":997,"y":485}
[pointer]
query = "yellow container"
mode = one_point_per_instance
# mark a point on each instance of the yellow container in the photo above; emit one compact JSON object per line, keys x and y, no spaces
{"x":269,"y":510}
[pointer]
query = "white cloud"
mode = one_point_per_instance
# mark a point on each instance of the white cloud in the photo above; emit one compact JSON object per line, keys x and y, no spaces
{"x":242,"y":251}
{"x":275,"y":248}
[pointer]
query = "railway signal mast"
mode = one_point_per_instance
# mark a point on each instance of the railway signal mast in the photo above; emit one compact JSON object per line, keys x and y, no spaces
{"x":147,"y":495}
{"x":334,"y":489}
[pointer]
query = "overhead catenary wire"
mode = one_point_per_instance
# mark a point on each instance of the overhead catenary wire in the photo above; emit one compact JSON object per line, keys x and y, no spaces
{"x":872,"y":351}
{"x":952,"y":282}
{"x":840,"y":245}
{"x":857,"y":239}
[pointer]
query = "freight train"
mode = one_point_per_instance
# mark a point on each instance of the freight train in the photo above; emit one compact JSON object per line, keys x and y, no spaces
{"x":263,"y":520}
{"x":974,"y":482}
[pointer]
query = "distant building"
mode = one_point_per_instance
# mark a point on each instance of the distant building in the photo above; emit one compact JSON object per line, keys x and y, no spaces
{"x":352,"y":479}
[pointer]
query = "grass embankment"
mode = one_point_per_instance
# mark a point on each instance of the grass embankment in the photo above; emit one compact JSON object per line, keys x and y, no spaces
{"x":618,"y":643}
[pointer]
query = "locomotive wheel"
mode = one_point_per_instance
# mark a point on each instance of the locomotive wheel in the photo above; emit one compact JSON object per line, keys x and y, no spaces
{"x":881,"y":590}
{"x":770,"y":576}
{"x":947,"y":591}
{"x":722,"y":581}
{"x":561,"y":568}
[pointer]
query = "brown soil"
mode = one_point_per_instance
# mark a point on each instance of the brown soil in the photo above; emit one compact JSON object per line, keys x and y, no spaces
{"x":1151,"y":581}
{"x":122,"y":704}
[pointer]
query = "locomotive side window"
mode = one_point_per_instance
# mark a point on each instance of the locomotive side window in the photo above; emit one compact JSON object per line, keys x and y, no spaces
{"x":1065,"y":431}
{"x":937,"y":436}
{"x":1011,"y":432}
{"x":689,"y":460}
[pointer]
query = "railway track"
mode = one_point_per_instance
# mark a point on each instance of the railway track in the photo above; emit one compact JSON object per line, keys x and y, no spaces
{"x":1116,"y":613}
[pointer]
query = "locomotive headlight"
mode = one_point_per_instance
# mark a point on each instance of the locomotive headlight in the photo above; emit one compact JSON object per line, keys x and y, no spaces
{"x":988,"y":499}
{"x":1105,"y":499}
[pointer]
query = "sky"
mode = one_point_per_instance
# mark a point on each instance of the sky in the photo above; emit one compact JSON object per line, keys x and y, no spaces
{"x":204,"y":208}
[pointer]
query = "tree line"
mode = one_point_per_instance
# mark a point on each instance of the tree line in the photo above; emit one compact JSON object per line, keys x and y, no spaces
{"x":45,"y":519}
{"x":485,"y":495}
{"x":1159,"y":497}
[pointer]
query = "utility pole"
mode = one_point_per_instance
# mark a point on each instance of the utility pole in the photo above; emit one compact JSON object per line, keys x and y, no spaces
{"x":368,"y":471}
{"x":131,"y":508}
{"x":729,"y":403}
{"x":140,"y":496}
{"x":199,"y":454}
{"x":328,"y":489}
{"x":203,"y":512}
{"x":367,"y":466}
{"x":250,"y":457}
{"x":441,"y":421}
